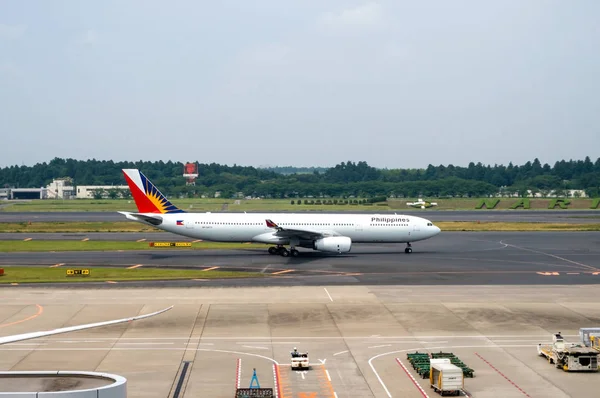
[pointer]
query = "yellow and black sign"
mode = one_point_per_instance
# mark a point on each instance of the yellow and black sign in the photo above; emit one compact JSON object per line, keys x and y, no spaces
{"x":170,"y":244}
{"x":78,"y":272}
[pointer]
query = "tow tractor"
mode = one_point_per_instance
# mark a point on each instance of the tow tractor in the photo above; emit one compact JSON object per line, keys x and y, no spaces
{"x":299,"y":360}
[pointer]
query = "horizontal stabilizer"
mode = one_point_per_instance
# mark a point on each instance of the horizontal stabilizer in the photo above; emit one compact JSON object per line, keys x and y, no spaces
{"x":154,"y":220}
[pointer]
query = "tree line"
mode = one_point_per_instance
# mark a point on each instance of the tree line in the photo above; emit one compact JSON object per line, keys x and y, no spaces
{"x":343,"y":180}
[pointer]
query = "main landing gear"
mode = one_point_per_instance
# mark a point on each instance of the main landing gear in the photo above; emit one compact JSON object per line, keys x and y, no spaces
{"x":282,"y":251}
{"x":408,"y":248}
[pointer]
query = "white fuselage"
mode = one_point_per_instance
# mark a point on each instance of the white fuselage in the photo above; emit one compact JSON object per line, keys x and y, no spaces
{"x":252,"y":227}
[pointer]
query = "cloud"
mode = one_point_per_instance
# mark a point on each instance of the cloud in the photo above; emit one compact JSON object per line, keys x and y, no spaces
{"x":368,"y":15}
{"x":12,"y":32}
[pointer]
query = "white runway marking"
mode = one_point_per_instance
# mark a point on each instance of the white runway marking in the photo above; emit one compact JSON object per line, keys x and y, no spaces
{"x":33,"y":344}
{"x":264,"y":342}
{"x":275,"y":381}
{"x":134,"y":343}
{"x":589,"y":267}
{"x":238,"y":373}
{"x":378,"y":337}
{"x":329,"y":295}
{"x":379,"y":346}
{"x":255,"y":347}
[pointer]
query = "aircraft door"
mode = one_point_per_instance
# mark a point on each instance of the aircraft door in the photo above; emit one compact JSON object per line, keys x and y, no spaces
{"x":189,"y":224}
{"x":416,"y":227}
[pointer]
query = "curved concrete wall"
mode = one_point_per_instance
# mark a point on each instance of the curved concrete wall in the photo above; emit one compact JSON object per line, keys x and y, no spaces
{"x":115,"y":387}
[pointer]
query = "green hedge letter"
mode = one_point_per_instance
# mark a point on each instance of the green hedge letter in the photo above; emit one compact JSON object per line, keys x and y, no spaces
{"x":563,"y":203}
{"x":489,"y":204}
{"x":524,"y":203}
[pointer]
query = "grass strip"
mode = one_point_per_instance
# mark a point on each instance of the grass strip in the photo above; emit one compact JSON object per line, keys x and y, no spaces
{"x":77,"y":245}
{"x":59,"y":274}
{"x":276,"y":205}
{"x":75,"y":226}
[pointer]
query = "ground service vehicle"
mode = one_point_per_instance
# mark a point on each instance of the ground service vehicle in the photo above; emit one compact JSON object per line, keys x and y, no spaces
{"x":446,"y":378}
{"x":569,"y":356}
{"x":300,"y":361}
{"x":585,"y":335}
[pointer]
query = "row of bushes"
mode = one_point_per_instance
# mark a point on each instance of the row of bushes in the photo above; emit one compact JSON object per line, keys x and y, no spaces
{"x":523,"y":203}
{"x":365,"y":202}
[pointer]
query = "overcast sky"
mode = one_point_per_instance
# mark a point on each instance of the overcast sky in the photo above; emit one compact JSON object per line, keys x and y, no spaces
{"x":306,"y":83}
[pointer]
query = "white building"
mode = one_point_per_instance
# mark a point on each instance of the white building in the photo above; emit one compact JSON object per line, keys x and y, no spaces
{"x":88,"y":191}
{"x":61,"y":188}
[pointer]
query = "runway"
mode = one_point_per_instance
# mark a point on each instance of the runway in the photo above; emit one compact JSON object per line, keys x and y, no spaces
{"x":553,"y":216}
{"x":453,"y":258}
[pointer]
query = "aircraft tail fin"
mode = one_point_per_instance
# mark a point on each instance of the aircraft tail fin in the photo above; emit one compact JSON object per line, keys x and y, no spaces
{"x":147,"y":197}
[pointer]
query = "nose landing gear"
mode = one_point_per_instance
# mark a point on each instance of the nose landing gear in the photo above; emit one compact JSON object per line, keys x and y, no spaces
{"x":408,"y":248}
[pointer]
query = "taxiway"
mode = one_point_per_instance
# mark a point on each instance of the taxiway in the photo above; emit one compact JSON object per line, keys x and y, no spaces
{"x":453,"y":258}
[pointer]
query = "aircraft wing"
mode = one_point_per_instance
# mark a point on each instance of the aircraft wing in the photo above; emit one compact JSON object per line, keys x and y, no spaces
{"x":33,"y":335}
{"x":298,"y":233}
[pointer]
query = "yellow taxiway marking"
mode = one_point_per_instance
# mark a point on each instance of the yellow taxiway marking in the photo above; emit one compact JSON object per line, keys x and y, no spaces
{"x":141,"y":240}
{"x":283,"y":272}
{"x":135,"y":266}
{"x":210,"y":269}
{"x":27,"y":239}
{"x":14,"y":284}
{"x":85,"y":239}
{"x":111,"y":282}
{"x":57,"y":265}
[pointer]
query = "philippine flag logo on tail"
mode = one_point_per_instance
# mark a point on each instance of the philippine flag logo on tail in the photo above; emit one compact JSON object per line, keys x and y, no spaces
{"x":179,"y":222}
{"x":147,"y":197}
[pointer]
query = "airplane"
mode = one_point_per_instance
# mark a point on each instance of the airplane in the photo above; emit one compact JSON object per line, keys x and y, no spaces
{"x":421,"y":204}
{"x":330,"y":233}
{"x":33,"y":335}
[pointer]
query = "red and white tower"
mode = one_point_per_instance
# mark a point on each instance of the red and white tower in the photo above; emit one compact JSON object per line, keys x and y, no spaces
{"x":190,"y":172}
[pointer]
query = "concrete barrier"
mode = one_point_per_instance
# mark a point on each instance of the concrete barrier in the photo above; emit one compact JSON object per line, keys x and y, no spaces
{"x":62,"y":384}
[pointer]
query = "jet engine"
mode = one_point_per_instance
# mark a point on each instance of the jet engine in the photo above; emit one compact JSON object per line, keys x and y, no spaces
{"x":334,"y":244}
